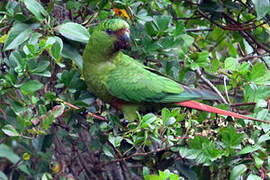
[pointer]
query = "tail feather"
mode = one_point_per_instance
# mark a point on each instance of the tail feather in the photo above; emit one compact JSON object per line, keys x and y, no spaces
{"x":201,"y":93}
{"x":204,"y":107}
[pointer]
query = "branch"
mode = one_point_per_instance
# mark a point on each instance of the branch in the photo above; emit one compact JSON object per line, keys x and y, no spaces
{"x":211,"y":86}
{"x":141,"y":154}
{"x":76,"y":108}
{"x":200,"y":29}
{"x":243,"y":104}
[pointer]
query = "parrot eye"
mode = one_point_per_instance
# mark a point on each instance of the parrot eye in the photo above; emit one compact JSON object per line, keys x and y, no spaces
{"x":109,"y":31}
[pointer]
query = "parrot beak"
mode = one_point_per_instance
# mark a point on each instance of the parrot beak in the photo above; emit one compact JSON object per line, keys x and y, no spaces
{"x":123,"y":40}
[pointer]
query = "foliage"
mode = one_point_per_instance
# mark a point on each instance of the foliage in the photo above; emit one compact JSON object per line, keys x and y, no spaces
{"x":47,"y":126}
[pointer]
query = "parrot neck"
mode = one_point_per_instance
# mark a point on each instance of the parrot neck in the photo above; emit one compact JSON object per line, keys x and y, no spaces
{"x":100,"y":48}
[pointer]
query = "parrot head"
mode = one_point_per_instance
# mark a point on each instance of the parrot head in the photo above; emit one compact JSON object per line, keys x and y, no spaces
{"x":117,"y":30}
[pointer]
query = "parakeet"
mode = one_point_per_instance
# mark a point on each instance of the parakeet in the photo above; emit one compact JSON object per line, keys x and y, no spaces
{"x":128,"y":85}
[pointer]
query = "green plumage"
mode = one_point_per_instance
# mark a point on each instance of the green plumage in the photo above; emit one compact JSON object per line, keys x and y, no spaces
{"x":121,"y":81}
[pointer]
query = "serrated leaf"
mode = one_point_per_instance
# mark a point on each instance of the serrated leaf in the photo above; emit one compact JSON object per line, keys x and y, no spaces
{"x":74,"y":31}
{"x":258,"y":71}
{"x":180,"y":28}
{"x":9,"y":130}
{"x":36,"y":8}
{"x":162,"y":22}
{"x":237,"y":171}
{"x":244,"y":68}
{"x":230,"y":137}
{"x":31,"y":86}
{"x":231,"y":64}
{"x":18,"y":34}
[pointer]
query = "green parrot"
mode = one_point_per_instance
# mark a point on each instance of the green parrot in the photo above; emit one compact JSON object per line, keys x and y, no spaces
{"x":129,"y":86}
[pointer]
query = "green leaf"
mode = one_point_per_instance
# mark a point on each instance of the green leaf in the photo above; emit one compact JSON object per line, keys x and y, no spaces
{"x":58,"y":110}
{"x":147,"y":120}
{"x":56,"y":50}
{"x":47,"y":176}
{"x":56,"y":45}
{"x":263,"y":138}
{"x":244,"y":68}
{"x":47,"y":120}
{"x":74,"y":31}
{"x":230,"y":137}
{"x":249,"y":149}
{"x":253,"y":177}
{"x":146,"y":171}
{"x":72,"y":53}
{"x":6,"y":152}
{"x":42,"y":66}
{"x":188,"y":40}
{"x":258,"y":162}
{"x":231,"y":64}
{"x":10,"y":130}
{"x":262,"y":114}
{"x":258,"y":71}
{"x":31,"y":86}
{"x":3,"y":176}
{"x":116,"y":141}
{"x":203,"y":60}
{"x":180,"y":28}
{"x":36,"y":8}
{"x":18,"y":34}
{"x":170,"y":121}
{"x":108,"y":151}
{"x":164,"y":174}
{"x":237,"y":171}
{"x":165,"y":114}
{"x":261,"y":7}
{"x":162,"y":22}
{"x":232,"y":50}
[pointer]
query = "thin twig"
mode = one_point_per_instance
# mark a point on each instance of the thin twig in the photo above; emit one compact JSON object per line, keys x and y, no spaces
{"x":140,"y":154}
{"x":3,"y":139}
{"x":243,"y":104}
{"x":211,"y":86}
{"x":76,"y":108}
{"x":225,"y":87}
{"x":3,"y":112}
{"x":84,"y":165}
{"x":200,"y":29}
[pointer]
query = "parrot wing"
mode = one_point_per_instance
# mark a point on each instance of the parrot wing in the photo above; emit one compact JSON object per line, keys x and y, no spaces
{"x":132,"y":82}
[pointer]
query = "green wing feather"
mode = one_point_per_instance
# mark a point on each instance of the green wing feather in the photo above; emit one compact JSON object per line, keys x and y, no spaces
{"x":132,"y":82}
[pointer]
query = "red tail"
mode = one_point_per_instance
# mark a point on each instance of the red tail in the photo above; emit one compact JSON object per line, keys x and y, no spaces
{"x":204,"y":107}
